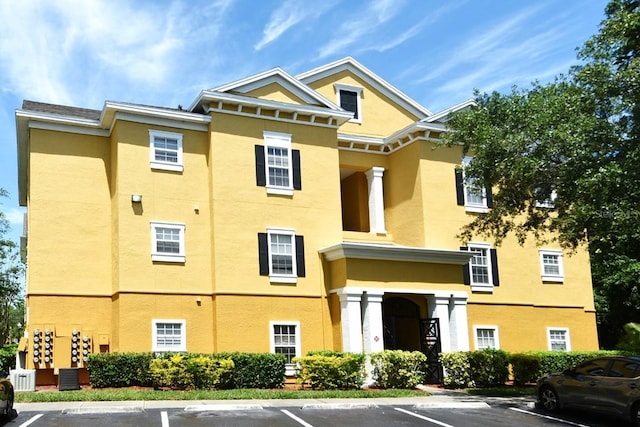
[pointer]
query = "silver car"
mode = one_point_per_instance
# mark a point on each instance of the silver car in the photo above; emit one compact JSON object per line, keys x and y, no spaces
{"x":605,"y":384}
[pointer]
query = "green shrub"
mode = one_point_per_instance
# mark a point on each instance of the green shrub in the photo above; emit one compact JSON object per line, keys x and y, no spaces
{"x":119,"y":369}
{"x":558,"y":361}
{"x":457,"y":371}
{"x":8,"y":357}
{"x":398,"y":369}
{"x":256,"y":370}
{"x":190,"y":372}
{"x":342,"y":371}
{"x":525,"y":367}
{"x":489,"y":367}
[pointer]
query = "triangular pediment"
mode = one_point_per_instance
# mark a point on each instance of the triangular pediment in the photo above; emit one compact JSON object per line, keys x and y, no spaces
{"x":351,"y":66}
{"x":276,"y":85}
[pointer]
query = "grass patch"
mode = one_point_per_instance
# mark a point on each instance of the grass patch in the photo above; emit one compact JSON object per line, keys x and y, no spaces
{"x":238,"y":394}
{"x":506,"y":391}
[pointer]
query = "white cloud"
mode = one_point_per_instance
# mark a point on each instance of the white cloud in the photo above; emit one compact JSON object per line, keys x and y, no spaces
{"x":14,"y":216}
{"x":284,"y":17}
{"x":367,"y":21}
{"x":59,"y":51}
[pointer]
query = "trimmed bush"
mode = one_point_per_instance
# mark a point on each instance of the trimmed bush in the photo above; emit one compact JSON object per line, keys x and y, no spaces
{"x":398,"y":369}
{"x":558,"y":361}
{"x":190,"y":372}
{"x":489,"y":367}
{"x":256,"y":370}
{"x":342,"y":371}
{"x":457,"y":369}
{"x":525,"y":367}
{"x":119,"y":369}
{"x":8,"y":357}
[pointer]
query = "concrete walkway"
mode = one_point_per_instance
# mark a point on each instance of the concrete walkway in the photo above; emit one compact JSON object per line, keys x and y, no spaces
{"x":439,"y":398}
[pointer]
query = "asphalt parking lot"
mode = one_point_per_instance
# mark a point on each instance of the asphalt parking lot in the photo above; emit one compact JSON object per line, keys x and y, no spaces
{"x":443,"y":411}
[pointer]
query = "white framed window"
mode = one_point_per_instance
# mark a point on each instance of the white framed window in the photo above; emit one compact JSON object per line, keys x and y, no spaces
{"x":475,"y":197}
{"x":549,"y":203}
{"x":559,"y":339}
{"x":167,"y":241}
{"x":486,"y":337}
{"x":551,"y":266}
{"x":285,"y":339}
{"x":282,"y":255}
{"x":482,"y":271}
{"x":165,"y":150}
{"x":349,"y":97}
{"x":278,"y":164}
{"x":169,"y":335}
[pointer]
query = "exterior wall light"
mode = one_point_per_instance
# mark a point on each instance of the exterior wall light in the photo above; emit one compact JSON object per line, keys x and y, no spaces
{"x":136,"y":198}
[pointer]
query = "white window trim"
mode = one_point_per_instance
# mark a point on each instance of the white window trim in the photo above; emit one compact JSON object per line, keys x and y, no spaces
{"x":351,"y":88}
{"x":496,"y":335}
{"x":548,"y":277}
{"x":481,"y":287}
{"x":283,"y":278}
{"x":183,"y":335}
{"x":549,"y":203}
{"x":169,"y":166}
{"x":166,"y":257}
{"x":567,"y":337}
{"x":278,"y":140}
{"x":468,"y":206}
{"x":290,"y":368}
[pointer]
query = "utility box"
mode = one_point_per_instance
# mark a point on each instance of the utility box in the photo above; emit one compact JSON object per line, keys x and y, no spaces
{"x":23,"y":379}
{"x":68,"y":379}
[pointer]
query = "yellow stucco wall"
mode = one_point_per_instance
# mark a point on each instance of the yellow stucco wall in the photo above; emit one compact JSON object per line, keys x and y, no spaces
{"x":380,"y":116}
{"x":522,"y":328}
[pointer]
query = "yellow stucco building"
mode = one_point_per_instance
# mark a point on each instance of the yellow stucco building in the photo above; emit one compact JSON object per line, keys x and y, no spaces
{"x":276,"y":213}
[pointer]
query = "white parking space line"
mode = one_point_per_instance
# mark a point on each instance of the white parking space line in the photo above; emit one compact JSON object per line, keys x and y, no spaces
{"x":547,"y":417}
{"x":295,"y":418}
{"x":31,"y":420}
{"x":422,"y":417}
{"x":165,"y":418}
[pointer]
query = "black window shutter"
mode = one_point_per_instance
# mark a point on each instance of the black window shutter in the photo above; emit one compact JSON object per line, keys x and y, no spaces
{"x":297,"y":176}
{"x":466,"y":278}
{"x":263,"y":254}
{"x":494,"y":267}
{"x":261,"y":178}
{"x":489,"y":197}
{"x":300,"y":256}
{"x":459,"y":187}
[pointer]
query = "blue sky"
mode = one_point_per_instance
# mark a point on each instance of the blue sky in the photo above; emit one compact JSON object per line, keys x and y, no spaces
{"x":157,"y":52}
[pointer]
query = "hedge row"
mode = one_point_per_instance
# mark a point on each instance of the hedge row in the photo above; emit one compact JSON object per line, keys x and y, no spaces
{"x":490,"y":368}
{"x":187,"y":370}
{"x":336,"y":370}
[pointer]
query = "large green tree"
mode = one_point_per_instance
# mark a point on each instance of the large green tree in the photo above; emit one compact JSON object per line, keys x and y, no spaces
{"x":11,"y":270}
{"x":574,"y":141}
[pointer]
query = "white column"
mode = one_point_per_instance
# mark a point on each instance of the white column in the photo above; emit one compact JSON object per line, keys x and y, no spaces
{"x":372,"y":330}
{"x":459,"y":323}
{"x":376,"y":200}
{"x":441,"y":311}
{"x":351,"y":322}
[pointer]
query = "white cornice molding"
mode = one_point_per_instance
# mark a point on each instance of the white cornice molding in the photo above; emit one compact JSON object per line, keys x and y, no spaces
{"x":214,"y":101}
{"x":388,"y":252}
{"x":442,"y":115}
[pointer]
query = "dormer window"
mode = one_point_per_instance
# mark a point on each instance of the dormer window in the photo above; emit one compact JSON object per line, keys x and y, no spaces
{"x":349,"y":98}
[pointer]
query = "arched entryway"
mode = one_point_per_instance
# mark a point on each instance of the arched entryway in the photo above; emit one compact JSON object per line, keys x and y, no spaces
{"x":405,"y":329}
{"x":401,"y":321}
